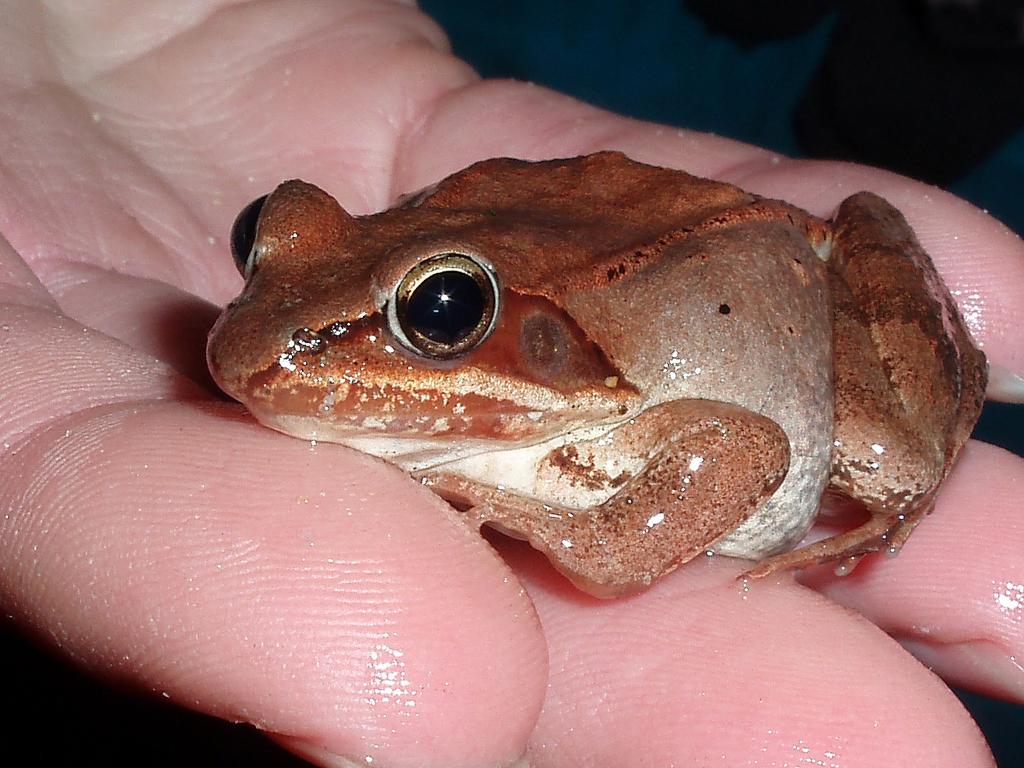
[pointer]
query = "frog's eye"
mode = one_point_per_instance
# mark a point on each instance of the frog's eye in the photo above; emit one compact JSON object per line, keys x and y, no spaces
{"x":243,"y":235}
{"x":445,"y":305}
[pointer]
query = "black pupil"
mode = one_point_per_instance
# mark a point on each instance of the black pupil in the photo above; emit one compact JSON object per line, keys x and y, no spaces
{"x":445,"y":307}
{"x":243,"y":232}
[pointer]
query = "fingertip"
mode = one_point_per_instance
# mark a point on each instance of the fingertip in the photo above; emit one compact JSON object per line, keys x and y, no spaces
{"x":704,"y":667}
{"x":1004,"y":385}
{"x":314,"y":592}
{"x":319,"y":756}
{"x":954,"y":595}
{"x":419,"y":636}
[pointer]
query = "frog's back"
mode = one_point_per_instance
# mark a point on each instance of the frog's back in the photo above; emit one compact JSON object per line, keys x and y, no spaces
{"x":576,"y":213}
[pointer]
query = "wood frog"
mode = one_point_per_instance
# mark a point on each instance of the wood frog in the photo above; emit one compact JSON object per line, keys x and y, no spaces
{"x":626,"y":365}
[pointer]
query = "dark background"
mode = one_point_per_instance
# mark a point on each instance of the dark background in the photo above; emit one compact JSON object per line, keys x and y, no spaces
{"x":933,"y":90}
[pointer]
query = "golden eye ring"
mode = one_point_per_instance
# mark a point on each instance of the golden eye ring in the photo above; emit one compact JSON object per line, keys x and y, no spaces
{"x":445,"y":306}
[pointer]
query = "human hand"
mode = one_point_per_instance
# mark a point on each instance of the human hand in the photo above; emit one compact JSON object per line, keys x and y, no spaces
{"x":157,"y":536}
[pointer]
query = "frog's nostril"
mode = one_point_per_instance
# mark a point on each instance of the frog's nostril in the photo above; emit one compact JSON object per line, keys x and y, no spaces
{"x":243,"y":234}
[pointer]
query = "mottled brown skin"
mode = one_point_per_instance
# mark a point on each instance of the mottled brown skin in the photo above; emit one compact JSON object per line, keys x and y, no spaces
{"x":670,"y":368}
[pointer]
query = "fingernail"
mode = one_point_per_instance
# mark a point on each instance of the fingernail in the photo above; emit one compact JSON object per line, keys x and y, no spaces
{"x":341,"y":762}
{"x":317,"y":754}
{"x":321,"y":756}
{"x":1004,"y":385}
{"x":368,"y":762}
{"x":992,"y":670}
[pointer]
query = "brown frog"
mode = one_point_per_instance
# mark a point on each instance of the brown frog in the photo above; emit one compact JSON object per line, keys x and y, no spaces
{"x":626,"y":365}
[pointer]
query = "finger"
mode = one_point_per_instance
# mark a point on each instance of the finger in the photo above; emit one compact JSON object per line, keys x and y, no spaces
{"x":57,"y":367}
{"x":60,"y":368}
{"x":309,"y":590}
{"x":154,"y":318}
{"x":699,"y":670}
{"x":955,"y":593}
{"x":505,"y":118}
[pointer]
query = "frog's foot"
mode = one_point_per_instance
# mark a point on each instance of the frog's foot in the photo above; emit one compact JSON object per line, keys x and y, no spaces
{"x":882,"y":532}
{"x":909,"y":382}
{"x":706,"y":467}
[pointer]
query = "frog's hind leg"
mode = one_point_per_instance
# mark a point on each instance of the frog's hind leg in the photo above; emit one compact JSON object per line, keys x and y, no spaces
{"x":705,"y":467}
{"x":909,"y":383}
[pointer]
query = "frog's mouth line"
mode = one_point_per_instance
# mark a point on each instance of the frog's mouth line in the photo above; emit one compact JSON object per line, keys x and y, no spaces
{"x":481,"y":460}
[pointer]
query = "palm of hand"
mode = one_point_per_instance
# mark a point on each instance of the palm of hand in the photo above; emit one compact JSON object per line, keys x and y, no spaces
{"x":158,"y":536}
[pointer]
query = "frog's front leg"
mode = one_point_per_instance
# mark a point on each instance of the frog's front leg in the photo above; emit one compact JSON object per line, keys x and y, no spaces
{"x":909,"y":382}
{"x":705,"y":468}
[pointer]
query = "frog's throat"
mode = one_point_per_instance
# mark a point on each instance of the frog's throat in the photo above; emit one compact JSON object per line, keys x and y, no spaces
{"x":512,"y":465}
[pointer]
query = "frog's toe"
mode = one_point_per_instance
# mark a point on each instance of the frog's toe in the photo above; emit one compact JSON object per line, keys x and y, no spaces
{"x":882,"y":532}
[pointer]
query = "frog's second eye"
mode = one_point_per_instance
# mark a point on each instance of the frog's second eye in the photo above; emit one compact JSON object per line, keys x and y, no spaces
{"x":243,"y":234}
{"x":445,"y":305}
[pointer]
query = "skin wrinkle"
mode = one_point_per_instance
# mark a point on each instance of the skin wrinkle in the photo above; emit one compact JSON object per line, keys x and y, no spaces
{"x":157,"y":44}
{"x":18,"y":440}
{"x":416,"y":126}
{"x":90,"y":255}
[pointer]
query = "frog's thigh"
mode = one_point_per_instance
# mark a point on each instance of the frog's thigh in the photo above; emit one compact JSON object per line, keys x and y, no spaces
{"x":709,"y":466}
{"x":909,"y":383}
